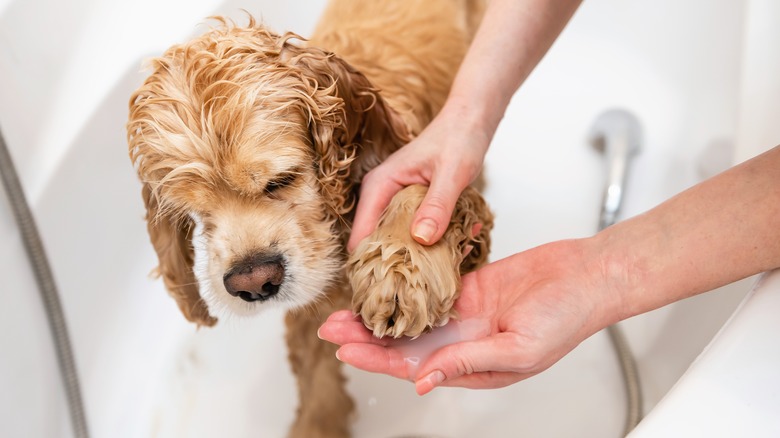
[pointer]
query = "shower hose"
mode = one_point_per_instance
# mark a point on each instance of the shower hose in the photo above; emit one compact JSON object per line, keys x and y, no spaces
{"x":630,"y":373}
{"x":630,"y":377}
{"x":48,"y":289}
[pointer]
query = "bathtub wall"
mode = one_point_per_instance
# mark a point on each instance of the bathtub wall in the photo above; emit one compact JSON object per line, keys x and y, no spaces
{"x":759,"y":100}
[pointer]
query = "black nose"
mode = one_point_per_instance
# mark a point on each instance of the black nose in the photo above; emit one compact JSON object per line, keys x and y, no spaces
{"x":256,"y":279}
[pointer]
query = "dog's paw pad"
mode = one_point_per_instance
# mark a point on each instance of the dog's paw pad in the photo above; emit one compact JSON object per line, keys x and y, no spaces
{"x":403,"y":290}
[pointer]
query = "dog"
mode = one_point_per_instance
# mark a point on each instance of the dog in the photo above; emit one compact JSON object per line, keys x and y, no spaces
{"x":251,"y":146}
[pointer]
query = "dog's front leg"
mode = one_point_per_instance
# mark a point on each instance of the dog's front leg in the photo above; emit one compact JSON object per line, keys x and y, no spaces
{"x":403,"y":288}
{"x":324,"y":407}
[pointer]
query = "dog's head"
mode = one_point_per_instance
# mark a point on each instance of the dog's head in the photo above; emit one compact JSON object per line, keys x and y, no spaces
{"x":248,"y":146}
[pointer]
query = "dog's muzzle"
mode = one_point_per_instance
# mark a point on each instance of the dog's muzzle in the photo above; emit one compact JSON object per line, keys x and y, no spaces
{"x":257,"y":278}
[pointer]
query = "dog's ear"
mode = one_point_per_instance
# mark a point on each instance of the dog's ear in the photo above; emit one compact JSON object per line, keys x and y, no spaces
{"x":352,"y":127}
{"x":171,"y":239}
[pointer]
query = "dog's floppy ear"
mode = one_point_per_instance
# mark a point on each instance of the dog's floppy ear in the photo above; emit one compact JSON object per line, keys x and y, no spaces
{"x":351,"y":125}
{"x":171,"y":239}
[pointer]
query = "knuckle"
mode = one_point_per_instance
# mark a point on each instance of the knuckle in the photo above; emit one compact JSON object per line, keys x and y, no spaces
{"x":463,"y":364}
{"x":436,"y":208}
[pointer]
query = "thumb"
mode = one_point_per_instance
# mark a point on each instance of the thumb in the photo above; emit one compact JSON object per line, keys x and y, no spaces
{"x":495,"y":354}
{"x":375,"y":195}
{"x":433,"y":215}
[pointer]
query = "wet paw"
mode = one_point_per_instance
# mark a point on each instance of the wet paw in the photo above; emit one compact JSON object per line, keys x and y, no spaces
{"x":402,"y":288}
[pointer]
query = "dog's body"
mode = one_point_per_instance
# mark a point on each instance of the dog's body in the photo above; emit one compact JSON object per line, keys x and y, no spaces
{"x":251,"y":149}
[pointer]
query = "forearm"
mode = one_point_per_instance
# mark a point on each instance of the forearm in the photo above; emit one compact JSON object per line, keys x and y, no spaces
{"x":512,"y":39}
{"x":717,"y":232}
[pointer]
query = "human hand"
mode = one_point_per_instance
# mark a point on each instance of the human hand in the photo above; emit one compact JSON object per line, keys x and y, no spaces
{"x":535,"y":307}
{"x":447,"y":156}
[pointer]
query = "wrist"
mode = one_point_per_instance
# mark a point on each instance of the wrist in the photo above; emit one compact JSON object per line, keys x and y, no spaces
{"x":640,"y":268}
{"x":616,"y":272}
{"x":476,"y":120}
{"x":591,"y":281}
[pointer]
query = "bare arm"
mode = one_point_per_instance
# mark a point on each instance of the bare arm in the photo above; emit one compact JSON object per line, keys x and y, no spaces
{"x":448,"y":154}
{"x":543,"y":302}
{"x":513,"y":38}
{"x":722,"y":230}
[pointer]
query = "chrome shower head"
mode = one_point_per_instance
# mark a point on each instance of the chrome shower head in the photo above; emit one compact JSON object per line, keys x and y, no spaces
{"x":616,"y":134}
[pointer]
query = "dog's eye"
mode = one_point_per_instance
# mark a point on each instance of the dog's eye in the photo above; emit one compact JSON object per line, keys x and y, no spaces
{"x":281,"y":181}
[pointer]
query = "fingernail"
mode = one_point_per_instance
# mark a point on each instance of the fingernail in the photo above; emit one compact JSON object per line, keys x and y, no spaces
{"x":427,"y":383}
{"x":424,"y":230}
{"x":337,"y":355}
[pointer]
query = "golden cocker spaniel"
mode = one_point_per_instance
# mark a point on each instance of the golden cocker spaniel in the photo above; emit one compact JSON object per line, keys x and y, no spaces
{"x":251,"y":147}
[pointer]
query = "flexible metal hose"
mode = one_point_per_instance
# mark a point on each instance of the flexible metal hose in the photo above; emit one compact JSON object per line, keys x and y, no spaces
{"x":627,"y":367}
{"x":47,"y":288}
{"x":630,"y":377}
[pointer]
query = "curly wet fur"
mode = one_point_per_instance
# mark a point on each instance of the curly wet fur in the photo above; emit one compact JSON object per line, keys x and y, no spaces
{"x":402,"y":288}
{"x":229,"y":113}
{"x":251,"y":144}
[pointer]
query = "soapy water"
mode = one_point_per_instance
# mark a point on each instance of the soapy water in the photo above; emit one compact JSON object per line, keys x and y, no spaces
{"x":416,"y":351}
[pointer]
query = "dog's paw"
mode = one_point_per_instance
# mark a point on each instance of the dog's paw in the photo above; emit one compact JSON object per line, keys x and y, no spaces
{"x":402,"y":288}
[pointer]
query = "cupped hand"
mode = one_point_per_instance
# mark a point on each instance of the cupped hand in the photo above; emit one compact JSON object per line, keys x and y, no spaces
{"x":447,"y":156}
{"x":540,"y":304}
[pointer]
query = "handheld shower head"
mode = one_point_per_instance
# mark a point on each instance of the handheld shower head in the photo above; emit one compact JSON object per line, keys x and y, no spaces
{"x":616,"y":133}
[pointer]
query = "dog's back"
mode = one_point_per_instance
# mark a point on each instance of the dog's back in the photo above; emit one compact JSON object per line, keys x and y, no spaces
{"x":410,"y":50}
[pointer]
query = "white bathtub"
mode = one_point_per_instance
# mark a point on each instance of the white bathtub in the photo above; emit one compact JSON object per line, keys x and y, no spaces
{"x":66,"y":72}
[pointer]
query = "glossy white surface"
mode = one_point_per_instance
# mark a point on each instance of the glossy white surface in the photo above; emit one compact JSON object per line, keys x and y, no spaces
{"x":732,"y":389}
{"x":67,"y":70}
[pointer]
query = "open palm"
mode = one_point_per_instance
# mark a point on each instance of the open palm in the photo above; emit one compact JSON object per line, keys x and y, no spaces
{"x":536,"y":306}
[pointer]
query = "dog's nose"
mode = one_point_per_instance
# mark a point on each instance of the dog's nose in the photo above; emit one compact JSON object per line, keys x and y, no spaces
{"x":256,"y":279}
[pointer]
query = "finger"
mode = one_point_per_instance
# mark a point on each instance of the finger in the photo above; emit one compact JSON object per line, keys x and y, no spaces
{"x":375,"y":195}
{"x":348,"y":332}
{"x":487,"y":380}
{"x":497,"y":353}
{"x":433,"y":215}
{"x":374,"y":359}
{"x":343,"y":315}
